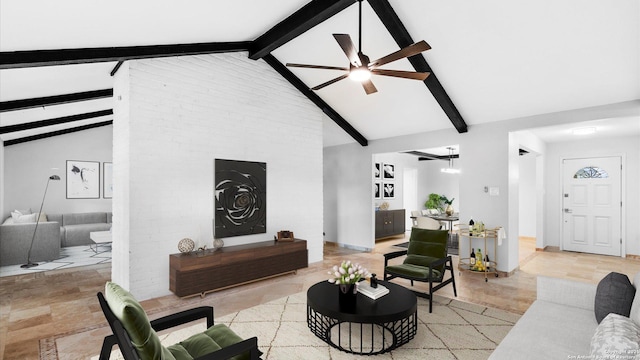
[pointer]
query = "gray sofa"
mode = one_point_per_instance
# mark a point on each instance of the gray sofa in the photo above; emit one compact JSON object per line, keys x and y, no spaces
{"x":15,"y":240}
{"x":560,"y":324}
{"x":75,"y":228}
{"x":61,"y":230}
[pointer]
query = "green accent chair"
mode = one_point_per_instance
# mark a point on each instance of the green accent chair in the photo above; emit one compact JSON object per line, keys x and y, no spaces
{"x":426,"y":261}
{"x":137,"y":339}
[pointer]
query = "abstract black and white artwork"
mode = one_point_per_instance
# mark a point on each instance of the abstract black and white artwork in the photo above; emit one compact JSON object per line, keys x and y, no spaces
{"x":240,"y":198}
{"x":377,"y":170}
{"x":377,"y":190}
{"x":388,"y":171}
{"x":388,"y":191}
{"x":83,"y":179}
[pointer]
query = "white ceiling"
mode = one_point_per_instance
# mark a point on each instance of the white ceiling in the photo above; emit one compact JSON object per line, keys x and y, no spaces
{"x":496,"y":59}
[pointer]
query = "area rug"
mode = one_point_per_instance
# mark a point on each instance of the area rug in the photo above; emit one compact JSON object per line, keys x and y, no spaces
{"x":455,"y":330}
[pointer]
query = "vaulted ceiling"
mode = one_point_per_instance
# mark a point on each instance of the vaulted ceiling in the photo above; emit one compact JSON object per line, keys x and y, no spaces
{"x":490,"y":60}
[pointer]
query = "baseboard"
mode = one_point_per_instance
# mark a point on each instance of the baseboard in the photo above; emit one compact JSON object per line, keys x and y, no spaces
{"x":549,"y":249}
{"x":633,"y":256}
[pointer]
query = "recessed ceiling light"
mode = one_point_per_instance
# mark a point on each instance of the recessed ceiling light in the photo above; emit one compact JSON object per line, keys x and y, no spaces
{"x":584,"y":131}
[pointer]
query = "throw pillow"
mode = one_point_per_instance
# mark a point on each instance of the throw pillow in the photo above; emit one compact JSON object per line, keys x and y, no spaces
{"x":614,"y":295}
{"x":22,"y":219}
{"x":42,"y":217}
{"x":135,"y":321}
{"x":634,"y":314}
{"x":617,"y":337}
{"x":9,"y":221}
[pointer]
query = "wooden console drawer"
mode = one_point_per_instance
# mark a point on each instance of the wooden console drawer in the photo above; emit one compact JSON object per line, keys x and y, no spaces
{"x":199,"y":273}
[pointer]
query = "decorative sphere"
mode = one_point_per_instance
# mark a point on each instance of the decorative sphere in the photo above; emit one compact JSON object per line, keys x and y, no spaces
{"x":186,"y":245}
{"x":218,"y":243}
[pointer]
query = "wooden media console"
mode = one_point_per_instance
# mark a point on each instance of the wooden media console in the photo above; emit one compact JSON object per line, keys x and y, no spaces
{"x":198,"y":273}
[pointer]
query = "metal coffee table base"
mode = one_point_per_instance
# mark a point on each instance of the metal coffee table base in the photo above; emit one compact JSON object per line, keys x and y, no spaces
{"x":362,"y":338}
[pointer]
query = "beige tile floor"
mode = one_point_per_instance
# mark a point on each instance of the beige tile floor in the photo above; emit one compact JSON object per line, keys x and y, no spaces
{"x":63,"y":302}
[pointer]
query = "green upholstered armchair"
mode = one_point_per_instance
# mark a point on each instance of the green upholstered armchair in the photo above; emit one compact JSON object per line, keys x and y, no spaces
{"x":137,"y":338}
{"x":426,"y":260}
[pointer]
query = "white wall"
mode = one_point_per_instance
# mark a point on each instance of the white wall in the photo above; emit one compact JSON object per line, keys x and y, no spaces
{"x":432,"y":180}
{"x":179,"y":114}
{"x":28,"y":165}
{"x":488,"y":157}
{"x":629,"y":148}
{"x":401,"y":161}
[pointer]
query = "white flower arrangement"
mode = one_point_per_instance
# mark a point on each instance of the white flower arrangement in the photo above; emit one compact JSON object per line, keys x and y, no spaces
{"x":347,"y":273}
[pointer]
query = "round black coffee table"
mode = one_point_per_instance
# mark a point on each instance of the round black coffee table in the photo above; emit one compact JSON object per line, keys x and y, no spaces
{"x":374,"y":327}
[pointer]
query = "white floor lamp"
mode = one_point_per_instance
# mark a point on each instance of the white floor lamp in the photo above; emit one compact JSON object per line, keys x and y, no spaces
{"x":30,"y":264}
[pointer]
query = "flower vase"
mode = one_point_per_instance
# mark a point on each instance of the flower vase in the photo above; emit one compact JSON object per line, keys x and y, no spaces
{"x":347,"y":297}
{"x":449,"y":210}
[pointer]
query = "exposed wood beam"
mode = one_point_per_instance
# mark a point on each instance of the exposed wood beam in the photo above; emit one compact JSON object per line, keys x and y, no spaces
{"x":296,"y":24}
{"x":115,"y":68}
{"x":55,"y":121}
{"x":54,"y":100}
{"x":304,"y":89}
{"x":400,"y":34}
{"x":32,"y":58}
{"x":56,"y":133}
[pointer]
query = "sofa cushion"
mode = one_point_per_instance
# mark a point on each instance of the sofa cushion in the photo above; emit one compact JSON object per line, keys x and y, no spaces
{"x":634,"y":314}
{"x":23,"y":219}
{"x":135,"y":321}
{"x":614,"y":295}
{"x":76,"y":235}
{"x":556,"y":331}
{"x":617,"y":337}
{"x":84,"y":218}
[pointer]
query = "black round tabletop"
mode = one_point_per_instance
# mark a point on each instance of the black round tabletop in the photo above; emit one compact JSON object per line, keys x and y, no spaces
{"x":399,"y":303}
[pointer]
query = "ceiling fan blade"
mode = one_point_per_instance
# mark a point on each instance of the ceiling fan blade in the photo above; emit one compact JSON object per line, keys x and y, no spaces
{"x":318,"y":87}
{"x":402,"y":53}
{"x":369,"y":88}
{"x":344,"y":40}
{"x":317,"y":67}
{"x":401,"y":74}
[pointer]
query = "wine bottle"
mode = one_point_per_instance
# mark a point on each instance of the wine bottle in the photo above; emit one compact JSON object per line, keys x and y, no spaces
{"x":471,"y":223}
{"x":486,"y":261}
{"x":479,"y":259}
{"x":472,"y":259}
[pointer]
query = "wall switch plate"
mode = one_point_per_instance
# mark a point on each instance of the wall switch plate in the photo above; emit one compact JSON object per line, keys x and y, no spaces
{"x":494,"y":191}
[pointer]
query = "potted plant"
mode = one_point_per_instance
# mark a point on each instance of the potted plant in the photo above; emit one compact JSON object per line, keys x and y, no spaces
{"x":449,"y":209}
{"x":434,"y":202}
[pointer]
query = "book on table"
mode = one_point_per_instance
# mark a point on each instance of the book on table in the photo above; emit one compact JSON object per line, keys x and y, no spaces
{"x":374,"y":293}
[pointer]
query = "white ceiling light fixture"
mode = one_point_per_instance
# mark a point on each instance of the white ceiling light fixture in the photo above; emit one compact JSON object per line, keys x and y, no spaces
{"x":584,"y":131}
{"x":450,"y":169}
{"x":360,"y":74}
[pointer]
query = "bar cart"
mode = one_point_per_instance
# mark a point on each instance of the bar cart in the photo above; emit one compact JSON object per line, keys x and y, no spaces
{"x":468,"y":264}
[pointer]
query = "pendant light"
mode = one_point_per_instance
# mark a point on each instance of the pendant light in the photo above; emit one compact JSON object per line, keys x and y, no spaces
{"x":450,"y":169}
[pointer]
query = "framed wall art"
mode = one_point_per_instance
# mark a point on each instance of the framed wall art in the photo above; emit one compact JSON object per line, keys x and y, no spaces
{"x":107,"y":180}
{"x":377,"y":170}
{"x":240,"y":198}
{"x":388,"y":190}
{"x":377,"y":190}
{"x":83,"y":179}
{"x":388,"y":171}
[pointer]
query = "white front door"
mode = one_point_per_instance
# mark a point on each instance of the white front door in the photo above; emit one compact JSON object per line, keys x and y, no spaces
{"x":591,"y":205}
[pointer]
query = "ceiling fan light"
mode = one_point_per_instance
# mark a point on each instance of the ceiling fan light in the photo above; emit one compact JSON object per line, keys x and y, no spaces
{"x":360,"y":74}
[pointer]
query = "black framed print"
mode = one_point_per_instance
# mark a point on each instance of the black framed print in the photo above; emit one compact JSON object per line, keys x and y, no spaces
{"x":377,"y":170}
{"x":388,"y":190}
{"x":377,"y":190}
{"x":83,"y":179}
{"x":388,"y":171}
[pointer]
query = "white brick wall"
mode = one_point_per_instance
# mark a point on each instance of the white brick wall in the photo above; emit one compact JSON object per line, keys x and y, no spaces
{"x":184,"y":112}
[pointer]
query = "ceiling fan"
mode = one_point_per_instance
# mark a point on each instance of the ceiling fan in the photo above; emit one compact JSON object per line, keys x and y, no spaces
{"x":360,"y":68}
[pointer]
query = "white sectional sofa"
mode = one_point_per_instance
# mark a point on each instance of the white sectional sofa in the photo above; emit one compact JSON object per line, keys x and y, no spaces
{"x":560,"y":324}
